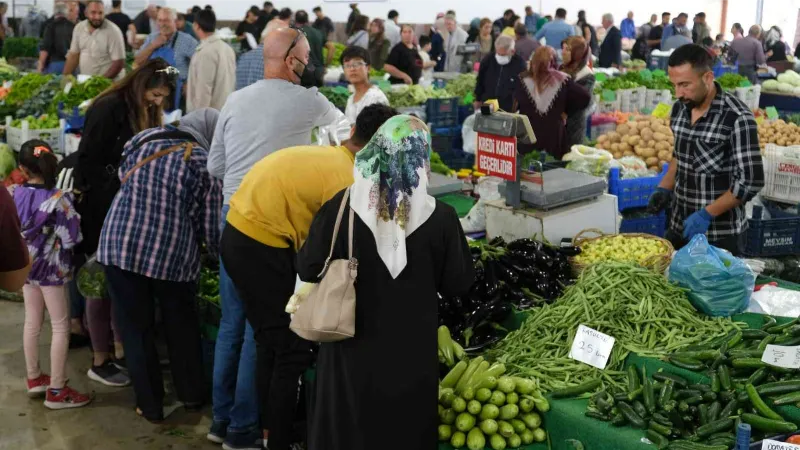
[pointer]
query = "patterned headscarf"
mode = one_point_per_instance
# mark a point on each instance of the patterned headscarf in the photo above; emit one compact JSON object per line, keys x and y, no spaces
{"x":543,"y":80}
{"x":390,"y":193}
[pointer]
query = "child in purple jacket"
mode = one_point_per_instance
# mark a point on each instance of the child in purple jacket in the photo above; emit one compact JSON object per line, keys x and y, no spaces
{"x":51,"y":228}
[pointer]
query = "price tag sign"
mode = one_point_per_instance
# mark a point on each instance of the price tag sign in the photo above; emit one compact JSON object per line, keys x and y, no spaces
{"x":768,"y":444}
{"x":497,"y":156}
{"x":782,"y":356}
{"x":67,"y":88}
{"x":772,"y":113}
{"x":591,"y":347}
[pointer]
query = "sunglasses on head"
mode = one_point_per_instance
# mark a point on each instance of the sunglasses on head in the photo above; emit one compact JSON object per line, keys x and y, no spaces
{"x":300,"y":33}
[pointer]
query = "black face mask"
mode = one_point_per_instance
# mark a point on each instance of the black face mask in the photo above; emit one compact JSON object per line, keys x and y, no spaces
{"x":306,"y":68}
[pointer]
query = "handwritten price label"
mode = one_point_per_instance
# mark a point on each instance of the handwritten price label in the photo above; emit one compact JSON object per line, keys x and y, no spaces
{"x":591,"y":347}
{"x":767,"y":444}
{"x":782,"y":356}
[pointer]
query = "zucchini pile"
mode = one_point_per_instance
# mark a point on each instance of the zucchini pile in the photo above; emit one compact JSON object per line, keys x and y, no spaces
{"x":479,"y":407}
{"x":680,"y":415}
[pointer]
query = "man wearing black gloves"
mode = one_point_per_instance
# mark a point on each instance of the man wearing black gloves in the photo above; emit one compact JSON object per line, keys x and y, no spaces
{"x":717,"y":164}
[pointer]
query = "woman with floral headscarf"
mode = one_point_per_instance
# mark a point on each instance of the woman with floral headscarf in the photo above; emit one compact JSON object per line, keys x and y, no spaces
{"x":410,"y":248}
{"x":576,"y":55}
{"x":548,"y":96}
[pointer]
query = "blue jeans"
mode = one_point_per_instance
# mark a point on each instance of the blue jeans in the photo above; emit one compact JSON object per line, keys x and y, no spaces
{"x":234,"y":389}
{"x":55,"y":68}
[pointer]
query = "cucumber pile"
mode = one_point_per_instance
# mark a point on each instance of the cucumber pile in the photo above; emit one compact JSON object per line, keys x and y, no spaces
{"x":479,"y":407}
{"x":679,"y":415}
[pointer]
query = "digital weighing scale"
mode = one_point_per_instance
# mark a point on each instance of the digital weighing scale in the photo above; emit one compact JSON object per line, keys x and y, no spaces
{"x":467,"y":50}
{"x":553,"y":204}
{"x":542,"y":190}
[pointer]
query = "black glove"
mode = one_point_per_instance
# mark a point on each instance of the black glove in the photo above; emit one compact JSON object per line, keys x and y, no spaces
{"x":659,"y":200}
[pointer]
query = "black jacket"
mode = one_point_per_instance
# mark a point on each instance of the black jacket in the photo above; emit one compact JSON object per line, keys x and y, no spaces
{"x":611,"y":49}
{"x":498,"y":82}
{"x":108,"y":128}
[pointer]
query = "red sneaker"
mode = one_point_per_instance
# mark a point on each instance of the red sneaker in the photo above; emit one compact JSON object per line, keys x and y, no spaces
{"x":38,"y":386}
{"x":66,"y":398}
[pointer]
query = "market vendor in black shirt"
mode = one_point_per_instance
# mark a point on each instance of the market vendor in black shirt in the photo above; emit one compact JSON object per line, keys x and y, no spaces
{"x":716,"y":167}
{"x":404,"y":63}
{"x":248,"y":25}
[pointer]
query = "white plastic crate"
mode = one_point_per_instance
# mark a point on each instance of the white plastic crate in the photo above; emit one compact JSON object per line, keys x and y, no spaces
{"x":54,"y":137}
{"x":655,"y":97}
{"x":781,"y":173}
{"x":606,"y":107}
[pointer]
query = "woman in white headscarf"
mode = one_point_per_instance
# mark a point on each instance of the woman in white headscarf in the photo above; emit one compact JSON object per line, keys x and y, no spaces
{"x":167,"y":208}
{"x":410,"y":248}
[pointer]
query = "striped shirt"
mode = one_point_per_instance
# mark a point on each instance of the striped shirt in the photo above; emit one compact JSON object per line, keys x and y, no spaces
{"x":163,"y":212}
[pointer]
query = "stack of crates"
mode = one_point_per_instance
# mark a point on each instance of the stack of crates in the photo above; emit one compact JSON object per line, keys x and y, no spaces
{"x":633,"y":195}
{"x":775,"y":235}
{"x":447,"y":142}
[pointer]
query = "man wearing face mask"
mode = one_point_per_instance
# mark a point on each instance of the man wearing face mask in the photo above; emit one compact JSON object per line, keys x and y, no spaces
{"x":269,"y":115}
{"x":499,"y":74}
{"x":717,"y":165}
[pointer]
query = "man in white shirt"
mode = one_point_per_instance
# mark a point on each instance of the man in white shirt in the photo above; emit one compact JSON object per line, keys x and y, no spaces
{"x":457,"y":36}
{"x":392,"y":28}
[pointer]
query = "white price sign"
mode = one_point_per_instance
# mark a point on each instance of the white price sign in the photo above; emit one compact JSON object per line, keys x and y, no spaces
{"x":767,"y":444}
{"x":591,"y":347}
{"x":782,"y":356}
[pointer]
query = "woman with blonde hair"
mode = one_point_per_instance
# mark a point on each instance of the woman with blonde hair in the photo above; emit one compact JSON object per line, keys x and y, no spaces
{"x":576,"y":55}
{"x":548,"y":96}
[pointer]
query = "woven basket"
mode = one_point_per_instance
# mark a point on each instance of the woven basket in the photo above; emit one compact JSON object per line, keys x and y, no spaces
{"x":657,"y":263}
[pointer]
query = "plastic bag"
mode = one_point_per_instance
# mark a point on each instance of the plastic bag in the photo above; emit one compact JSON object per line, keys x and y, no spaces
{"x":469,"y":136}
{"x":333,"y":134}
{"x":488,"y":189}
{"x":775,"y":301}
{"x":633,"y":167}
{"x":91,"y":279}
{"x":719,"y":284}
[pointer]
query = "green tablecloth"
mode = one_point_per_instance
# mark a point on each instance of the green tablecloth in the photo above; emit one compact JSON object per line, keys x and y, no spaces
{"x":460,"y":202}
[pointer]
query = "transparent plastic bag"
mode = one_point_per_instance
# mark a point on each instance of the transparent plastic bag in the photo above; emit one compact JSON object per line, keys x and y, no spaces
{"x":468,"y":135}
{"x":719,"y":284}
{"x":91,"y":279}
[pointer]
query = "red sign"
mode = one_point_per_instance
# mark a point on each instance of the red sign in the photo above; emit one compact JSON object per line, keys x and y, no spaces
{"x":497,"y":156}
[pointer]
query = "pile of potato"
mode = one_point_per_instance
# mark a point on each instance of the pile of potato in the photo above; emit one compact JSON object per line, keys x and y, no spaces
{"x":778,"y":132}
{"x":647,"y":137}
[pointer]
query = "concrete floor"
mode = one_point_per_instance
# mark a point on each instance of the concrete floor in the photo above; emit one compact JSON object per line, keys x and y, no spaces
{"x":108,"y":423}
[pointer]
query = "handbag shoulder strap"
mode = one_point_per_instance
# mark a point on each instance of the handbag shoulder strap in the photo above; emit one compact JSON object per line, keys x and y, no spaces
{"x":186,"y":146}
{"x":336,"y":231}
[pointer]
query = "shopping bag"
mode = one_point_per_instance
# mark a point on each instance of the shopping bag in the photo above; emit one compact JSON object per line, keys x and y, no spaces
{"x":468,"y":135}
{"x":719,"y":284}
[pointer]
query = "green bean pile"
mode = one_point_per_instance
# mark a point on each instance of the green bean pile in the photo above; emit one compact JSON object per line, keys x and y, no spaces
{"x":639,"y":308}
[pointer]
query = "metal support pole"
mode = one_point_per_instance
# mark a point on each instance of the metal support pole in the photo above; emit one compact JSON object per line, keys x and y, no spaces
{"x":759,"y":11}
{"x":513,"y":188}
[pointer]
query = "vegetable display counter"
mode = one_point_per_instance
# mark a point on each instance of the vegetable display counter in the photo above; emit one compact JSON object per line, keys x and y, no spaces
{"x":566,"y":420}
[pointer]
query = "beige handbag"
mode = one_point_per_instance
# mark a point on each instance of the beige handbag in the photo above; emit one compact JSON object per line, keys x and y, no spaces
{"x":328,"y":313}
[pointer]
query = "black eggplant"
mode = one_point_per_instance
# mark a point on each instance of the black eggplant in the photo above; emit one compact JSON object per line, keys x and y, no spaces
{"x":497,"y":242}
{"x":494,"y":311}
{"x":505,"y":273}
{"x":525,"y":244}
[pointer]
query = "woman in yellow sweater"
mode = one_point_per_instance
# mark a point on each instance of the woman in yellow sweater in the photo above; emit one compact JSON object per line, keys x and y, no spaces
{"x":268,"y":221}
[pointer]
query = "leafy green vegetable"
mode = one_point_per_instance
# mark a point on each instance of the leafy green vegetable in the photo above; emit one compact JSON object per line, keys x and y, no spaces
{"x":43,"y":122}
{"x":337,"y":53}
{"x":81,"y":92}
{"x":21,"y":47}
{"x":92,"y":280}
{"x":41,"y":102}
{"x":25,"y":87}
{"x":463,"y":85}
{"x":414,"y":95}
{"x":209,"y":285}
{"x":730,"y":81}
{"x":336,"y":95}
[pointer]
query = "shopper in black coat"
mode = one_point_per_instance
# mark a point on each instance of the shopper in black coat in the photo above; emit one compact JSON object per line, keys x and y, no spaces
{"x":611,"y":48}
{"x":499,"y":74}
